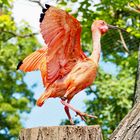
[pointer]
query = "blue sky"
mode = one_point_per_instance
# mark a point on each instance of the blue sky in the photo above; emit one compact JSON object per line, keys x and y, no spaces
{"x":52,"y":111}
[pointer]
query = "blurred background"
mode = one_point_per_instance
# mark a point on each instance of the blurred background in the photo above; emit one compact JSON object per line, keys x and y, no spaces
{"x":112,"y":94}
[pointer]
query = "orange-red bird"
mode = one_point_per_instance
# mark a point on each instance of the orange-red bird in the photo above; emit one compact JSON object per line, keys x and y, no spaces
{"x":64,"y":67}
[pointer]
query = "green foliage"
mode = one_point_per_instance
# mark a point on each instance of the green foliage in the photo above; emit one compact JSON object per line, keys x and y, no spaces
{"x":112,"y":94}
{"x":67,"y":122}
{"x":15,"y":97}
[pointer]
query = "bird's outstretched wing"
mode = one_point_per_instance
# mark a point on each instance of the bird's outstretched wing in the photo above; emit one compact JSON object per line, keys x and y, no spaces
{"x":61,"y":33}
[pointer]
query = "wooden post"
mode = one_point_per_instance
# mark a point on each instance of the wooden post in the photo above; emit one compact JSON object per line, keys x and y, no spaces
{"x":67,"y":132}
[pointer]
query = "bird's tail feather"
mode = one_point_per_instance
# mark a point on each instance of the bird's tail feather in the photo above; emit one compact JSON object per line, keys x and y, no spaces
{"x":42,"y":98}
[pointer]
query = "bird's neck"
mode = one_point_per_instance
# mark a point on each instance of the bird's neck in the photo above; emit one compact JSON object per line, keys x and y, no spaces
{"x":96,"y":36}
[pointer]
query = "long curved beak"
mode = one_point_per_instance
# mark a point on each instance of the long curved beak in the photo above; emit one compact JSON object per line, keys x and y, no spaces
{"x":115,"y":27}
{"x":112,"y":27}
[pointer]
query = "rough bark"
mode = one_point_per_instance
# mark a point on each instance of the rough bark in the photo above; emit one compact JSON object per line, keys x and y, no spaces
{"x":137,"y":83}
{"x":129,"y":128}
{"x":62,"y":133}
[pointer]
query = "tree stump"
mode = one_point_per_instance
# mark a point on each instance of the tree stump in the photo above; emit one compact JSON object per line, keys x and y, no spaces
{"x":67,"y":132}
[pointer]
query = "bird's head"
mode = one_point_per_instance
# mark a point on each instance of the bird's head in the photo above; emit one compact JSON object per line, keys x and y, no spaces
{"x":103,"y":27}
{"x":99,"y":25}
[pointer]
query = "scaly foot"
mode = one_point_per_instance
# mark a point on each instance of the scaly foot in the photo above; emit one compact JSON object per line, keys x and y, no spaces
{"x":83,"y":115}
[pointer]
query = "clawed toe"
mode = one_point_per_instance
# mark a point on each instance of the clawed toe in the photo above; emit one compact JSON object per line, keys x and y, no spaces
{"x":83,"y":115}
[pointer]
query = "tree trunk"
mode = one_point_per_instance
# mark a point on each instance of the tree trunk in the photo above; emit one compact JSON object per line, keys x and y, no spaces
{"x":62,"y":133}
{"x":129,"y":127}
{"x":137,"y":83}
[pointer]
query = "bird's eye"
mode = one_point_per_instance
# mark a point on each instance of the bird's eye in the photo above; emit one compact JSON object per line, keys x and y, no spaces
{"x":103,"y":23}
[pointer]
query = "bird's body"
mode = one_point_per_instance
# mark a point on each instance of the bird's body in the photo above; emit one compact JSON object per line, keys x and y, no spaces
{"x":64,"y":67}
{"x":81,"y":76}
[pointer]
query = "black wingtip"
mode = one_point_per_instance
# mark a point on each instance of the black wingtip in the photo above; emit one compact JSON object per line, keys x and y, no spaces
{"x":47,"y":6}
{"x":41,"y":17}
{"x":44,"y":10}
{"x":19,"y":64}
{"x":43,"y":14}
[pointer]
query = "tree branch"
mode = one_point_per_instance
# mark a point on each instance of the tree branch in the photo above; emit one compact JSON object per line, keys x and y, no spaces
{"x":38,"y":2}
{"x":18,"y":35}
{"x":133,"y":9}
{"x":123,"y":42}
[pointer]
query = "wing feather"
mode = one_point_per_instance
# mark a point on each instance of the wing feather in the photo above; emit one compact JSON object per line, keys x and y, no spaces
{"x":61,"y":32}
{"x":32,"y":62}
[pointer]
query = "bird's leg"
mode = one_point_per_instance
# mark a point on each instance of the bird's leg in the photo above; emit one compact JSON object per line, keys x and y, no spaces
{"x":70,"y":90}
{"x":81,"y":114}
{"x":64,"y":98}
{"x":68,"y":113}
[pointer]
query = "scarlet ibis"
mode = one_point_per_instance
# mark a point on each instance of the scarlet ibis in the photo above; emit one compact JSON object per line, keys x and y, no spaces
{"x":64,"y":67}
